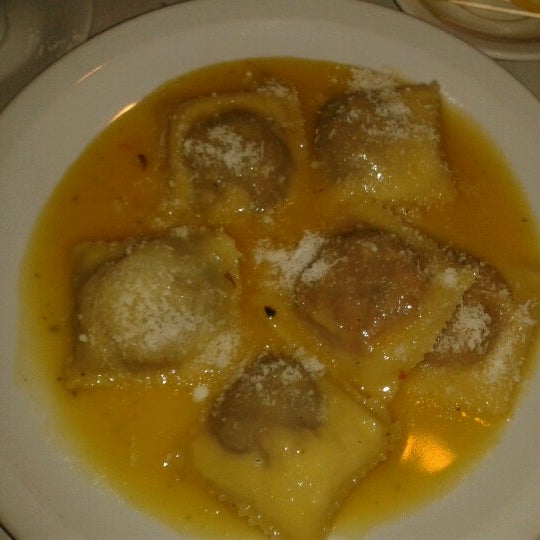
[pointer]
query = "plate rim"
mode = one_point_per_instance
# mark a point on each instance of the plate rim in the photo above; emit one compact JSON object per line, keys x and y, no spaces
{"x":498,"y":49}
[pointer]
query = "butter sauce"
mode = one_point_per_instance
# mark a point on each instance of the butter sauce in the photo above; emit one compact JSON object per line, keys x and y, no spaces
{"x":131,"y":436}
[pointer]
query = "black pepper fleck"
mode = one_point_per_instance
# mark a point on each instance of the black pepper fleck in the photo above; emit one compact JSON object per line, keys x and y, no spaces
{"x":229,"y":277}
{"x":143,"y":160}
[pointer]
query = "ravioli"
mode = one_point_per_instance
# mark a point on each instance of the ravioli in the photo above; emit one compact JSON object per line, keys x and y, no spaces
{"x":235,"y":152}
{"x":385,"y":143}
{"x":475,"y":364}
{"x":310,"y":442}
{"x":158,"y":304}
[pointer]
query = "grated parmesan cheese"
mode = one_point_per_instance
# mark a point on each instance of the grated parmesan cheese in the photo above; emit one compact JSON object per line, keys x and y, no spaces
{"x":145,"y":310}
{"x":470,"y":330}
{"x":450,"y":277}
{"x":200,"y":393}
{"x":225,"y":147}
{"x":221,"y":350}
{"x":310,"y":363}
{"x":277,"y":89}
{"x":289,"y":264}
{"x":319,"y":269}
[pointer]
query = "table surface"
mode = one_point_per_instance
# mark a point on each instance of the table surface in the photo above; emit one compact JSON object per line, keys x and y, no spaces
{"x":107,"y":13}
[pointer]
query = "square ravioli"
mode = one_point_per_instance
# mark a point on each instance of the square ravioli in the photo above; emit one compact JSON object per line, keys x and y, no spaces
{"x":476,"y":362}
{"x":386,"y":143}
{"x":308,"y":441}
{"x":149,"y":306}
{"x":235,"y":152}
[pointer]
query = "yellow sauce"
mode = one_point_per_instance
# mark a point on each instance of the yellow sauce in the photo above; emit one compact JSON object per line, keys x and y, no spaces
{"x":132,"y":436}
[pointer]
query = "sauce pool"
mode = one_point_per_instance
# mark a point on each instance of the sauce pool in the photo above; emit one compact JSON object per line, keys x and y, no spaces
{"x":128,"y":436}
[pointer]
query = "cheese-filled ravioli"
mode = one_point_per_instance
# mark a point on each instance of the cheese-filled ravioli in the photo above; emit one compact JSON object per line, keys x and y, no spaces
{"x":281,"y":442}
{"x":235,"y":152}
{"x":386,"y":143}
{"x":380,"y":299}
{"x":476,"y":361}
{"x":157,"y":304}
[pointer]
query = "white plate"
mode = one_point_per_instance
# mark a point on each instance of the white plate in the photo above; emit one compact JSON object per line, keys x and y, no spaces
{"x":42,"y":495}
{"x":499,"y":37}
